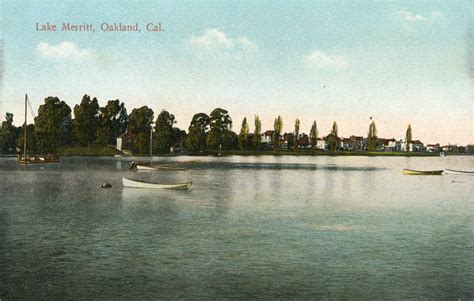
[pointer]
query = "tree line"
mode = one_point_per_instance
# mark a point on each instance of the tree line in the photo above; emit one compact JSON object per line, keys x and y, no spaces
{"x":93,"y":125}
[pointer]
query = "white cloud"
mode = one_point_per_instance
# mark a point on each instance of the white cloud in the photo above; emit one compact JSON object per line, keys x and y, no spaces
{"x":413,"y":18}
{"x":245,"y":42}
{"x":65,"y":50}
{"x":215,"y":38}
{"x":323,"y":60}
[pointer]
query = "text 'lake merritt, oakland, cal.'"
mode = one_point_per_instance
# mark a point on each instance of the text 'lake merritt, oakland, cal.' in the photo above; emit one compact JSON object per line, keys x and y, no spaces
{"x":104,"y":27}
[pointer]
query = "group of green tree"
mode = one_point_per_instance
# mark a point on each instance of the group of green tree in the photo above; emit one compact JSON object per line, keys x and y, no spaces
{"x":93,"y":125}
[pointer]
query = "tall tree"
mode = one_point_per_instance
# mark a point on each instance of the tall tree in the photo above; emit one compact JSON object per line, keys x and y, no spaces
{"x":244,"y":132}
{"x":230,"y":140}
{"x":296,"y":133}
{"x":372,"y":138}
{"x":408,"y":137}
{"x":333,"y":138}
{"x":197,"y":132}
{"x":220,"y":134}
{"x":52,"y":125}
{"x":220,"y":120}
{"x":30,"y":139}
{"x":139,"y":125}
{"x":178,"y":135}
{"x":163,"y":137}
{"x":277,"y":128}
{"x":257,"y":133}
{"x":112,"y":122}
{"x":86,"y":121}
{"x":8,"y":134}
{"x":313,"y":135}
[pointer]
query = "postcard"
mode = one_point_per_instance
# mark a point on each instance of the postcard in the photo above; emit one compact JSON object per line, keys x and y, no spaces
{"x":218,"y":150}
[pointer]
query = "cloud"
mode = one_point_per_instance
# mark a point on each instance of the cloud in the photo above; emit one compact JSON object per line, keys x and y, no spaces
{"x":413,"y":18}
{"x":65,"y":50}
{"x":245,"y":42}
{"x":215,"y":38}
{"x":320,"y":59}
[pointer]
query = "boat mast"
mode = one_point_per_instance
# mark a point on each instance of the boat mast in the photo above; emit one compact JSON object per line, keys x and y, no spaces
{"x":151,"y":146}
{"x":24,"y":135}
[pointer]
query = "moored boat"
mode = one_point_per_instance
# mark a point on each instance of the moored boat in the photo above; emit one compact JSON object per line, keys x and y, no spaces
{"x":459,"y":172}
{"x":422,"y":172}
{"x":143,"y":167}
{"x":158,"y":167}
{"x":26,"y":158}
{"x":37,"y":159}
{"x":142,"y":184}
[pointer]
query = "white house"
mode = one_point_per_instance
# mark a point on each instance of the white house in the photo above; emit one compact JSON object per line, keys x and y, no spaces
{"x":321,"y":144}
{"x":416,"y":146}
{"x":267,"y":137}
{"x":433,"y":148}
{"x":125,"y":143}
{"x":400,"y":146}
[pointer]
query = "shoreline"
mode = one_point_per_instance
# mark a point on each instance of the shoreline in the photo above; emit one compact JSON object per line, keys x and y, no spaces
{"x":108,"y":151}
{"x":249,"y":154}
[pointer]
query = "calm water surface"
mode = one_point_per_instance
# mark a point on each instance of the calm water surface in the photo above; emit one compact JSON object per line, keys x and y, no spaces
{"x":250,"y":227}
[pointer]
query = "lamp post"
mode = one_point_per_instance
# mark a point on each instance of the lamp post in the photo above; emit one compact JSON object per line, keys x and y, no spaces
{"x":151,"y":144}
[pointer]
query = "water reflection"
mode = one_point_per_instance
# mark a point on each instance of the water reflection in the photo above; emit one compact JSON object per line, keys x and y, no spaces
{"x":330,"y":227}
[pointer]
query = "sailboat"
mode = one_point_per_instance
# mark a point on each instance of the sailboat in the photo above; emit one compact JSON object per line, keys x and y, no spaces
{"x":143,"y":165}
{"x":149,"y":166}
{"x":27,"y":158}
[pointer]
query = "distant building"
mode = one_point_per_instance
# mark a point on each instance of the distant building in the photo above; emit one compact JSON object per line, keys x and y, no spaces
{"x":388,"y":145}
{"x":286,"y":141}
{"x":400,"y":146}
{"x":125,"y":143}
{"x":416,"y":146}
{"x":303,"y":141}
{"x":357,"y":143}
{"x":346,"y":144}
{"x":327,"y":144}
{"x":177,"y":148}
{"x":267,"y":137}
{"x":321,"y":144}
{"x":433,"y":148}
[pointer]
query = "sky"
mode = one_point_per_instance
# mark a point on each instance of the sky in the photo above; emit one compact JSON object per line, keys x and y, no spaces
{"x":399,"y":62}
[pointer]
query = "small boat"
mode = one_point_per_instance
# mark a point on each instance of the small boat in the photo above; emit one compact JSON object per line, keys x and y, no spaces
{"x":26,"y":158}
{"x":144,"y":167}
{"x":459,"y":172}
{"x":37,"y":159}
{"x":142,"y":184}
{"x":159,"y":167}
{"x":422,"y":172}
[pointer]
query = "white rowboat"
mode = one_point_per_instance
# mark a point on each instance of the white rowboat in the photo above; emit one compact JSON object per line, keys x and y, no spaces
{"x":141,"y":184}
{"x":158,"y":167}
{"x":459,"y":172}
{"x":143,"y":167}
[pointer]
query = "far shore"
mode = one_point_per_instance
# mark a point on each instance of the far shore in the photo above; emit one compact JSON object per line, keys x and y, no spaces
{"x":95,"y":151}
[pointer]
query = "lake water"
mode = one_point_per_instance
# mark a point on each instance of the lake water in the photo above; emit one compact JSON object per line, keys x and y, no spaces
{"x":250,"y":227}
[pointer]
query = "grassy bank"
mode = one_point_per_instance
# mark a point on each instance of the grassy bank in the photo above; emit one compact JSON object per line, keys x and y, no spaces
{"x":109,"y":151}
{"x":88,"y":151}
{"x":310,"y":153}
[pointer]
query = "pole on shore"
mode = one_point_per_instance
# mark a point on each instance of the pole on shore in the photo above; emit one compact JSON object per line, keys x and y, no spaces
{"x":151,"y":146}
{"x":24,"y":135}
